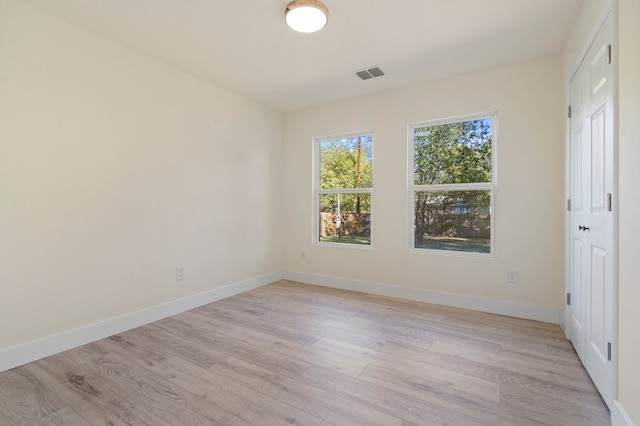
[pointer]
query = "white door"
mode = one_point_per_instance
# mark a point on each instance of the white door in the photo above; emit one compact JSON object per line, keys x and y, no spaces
{"x":592,"y":308}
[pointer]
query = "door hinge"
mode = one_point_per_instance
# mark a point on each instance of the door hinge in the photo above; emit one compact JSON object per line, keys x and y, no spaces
{"x":609,"y":202}
{"x":609,"y":351}
{"x":569,"y":205}
{"x":569,"y":299}
{"x":608,"y":54}
{"x":569,"y":111}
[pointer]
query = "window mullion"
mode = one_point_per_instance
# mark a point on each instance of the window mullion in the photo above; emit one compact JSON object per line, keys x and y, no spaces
{"x":454,"y":187}
{"x":345,"y":191}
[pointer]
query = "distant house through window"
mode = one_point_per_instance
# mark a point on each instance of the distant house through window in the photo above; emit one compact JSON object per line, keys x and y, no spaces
{"x":343,"y":186}
{"x":452,"y":184}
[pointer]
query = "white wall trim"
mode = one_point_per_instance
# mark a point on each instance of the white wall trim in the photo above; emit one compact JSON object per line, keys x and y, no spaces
{"x":41,"y":348}
{"x":494,"y":306}
{"x":619,"y":417}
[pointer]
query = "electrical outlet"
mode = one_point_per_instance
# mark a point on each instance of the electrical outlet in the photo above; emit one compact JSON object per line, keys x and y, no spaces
{"x":303,"y":255}
{"x":179,"y":274}
{"x":512,"y":276}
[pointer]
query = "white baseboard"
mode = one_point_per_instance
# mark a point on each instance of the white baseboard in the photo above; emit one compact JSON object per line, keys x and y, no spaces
{"x":619,"y":417}
{"x":501,"y":307}
{"x":563,"y":322}
{"x":32,"y":351}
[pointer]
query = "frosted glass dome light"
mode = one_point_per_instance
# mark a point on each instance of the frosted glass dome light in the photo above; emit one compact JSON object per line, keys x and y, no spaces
{"x":306,"y":16}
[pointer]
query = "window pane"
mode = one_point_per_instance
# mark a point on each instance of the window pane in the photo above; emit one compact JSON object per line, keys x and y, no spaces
{"x":453,"y":220}
{"x":346,"y":162}
{"x":453,"y":153}
{"x":345,"y":218}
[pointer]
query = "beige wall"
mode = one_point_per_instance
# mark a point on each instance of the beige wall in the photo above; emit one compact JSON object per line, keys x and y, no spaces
{"x":584,"y":28}
{"x":114,"y":170}
{"x":627,"y":17}
{"x":529,"y":196}
{"x":629,"y":207}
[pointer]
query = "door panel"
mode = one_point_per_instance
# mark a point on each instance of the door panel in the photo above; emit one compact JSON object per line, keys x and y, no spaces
{"x":601,"y":307}
{"x":598,"y":161}
{"x":576,"y":171}
{"x":598,"y":61}
{"x":578,"y":185}
{"x":577,"y":306}
{"x":597,"y":335}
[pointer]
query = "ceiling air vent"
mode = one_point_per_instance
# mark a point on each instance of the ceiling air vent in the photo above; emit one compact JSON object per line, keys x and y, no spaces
{"x":368,"y":73}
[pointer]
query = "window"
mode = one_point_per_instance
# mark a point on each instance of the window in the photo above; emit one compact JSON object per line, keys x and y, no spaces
{"x":452,"y":185}
{"x":343,"y":186}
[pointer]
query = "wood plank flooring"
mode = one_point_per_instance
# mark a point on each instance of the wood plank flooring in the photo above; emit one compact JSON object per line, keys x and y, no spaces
{"x":294,"y":354}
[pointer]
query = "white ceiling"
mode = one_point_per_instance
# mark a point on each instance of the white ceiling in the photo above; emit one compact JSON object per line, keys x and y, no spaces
{"x":245,"y":46}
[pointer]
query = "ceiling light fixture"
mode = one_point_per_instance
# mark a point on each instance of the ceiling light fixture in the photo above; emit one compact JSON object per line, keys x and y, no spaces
{"x":306,"y":16}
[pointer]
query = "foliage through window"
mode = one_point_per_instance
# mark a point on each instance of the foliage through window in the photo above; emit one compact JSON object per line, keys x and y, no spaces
{"x":343,"y":189}
{"x":452,"y":185}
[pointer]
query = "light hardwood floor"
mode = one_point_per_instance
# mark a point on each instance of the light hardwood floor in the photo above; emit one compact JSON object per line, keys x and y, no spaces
{"x":294,"y":354}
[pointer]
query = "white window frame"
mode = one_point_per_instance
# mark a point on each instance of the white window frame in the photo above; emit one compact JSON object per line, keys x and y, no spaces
{"x":317,"y":191}
{"x":490,"y":186}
